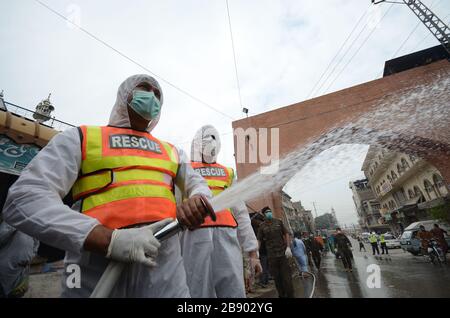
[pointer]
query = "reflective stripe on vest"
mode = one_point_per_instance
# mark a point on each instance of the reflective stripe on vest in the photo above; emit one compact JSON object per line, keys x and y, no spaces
{"x":126,"y":177}
{"x":218,"y":178}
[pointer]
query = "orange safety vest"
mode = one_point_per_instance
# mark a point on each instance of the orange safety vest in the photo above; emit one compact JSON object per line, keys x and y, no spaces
{"x":218,"y":178}
{"x":126,"y":176}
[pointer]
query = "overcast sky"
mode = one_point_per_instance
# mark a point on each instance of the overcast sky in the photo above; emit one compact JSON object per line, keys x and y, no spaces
{"x":282,"y":48}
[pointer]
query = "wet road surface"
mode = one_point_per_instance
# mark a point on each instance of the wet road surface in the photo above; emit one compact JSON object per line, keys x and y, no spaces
{"x":401,"y":275}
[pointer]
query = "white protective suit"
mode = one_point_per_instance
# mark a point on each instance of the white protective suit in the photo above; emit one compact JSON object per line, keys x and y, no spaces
{"x":212,"y":256}
{"x":34,"y":206}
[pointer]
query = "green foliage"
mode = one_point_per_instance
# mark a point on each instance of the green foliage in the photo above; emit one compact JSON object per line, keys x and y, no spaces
{"x":441,"y":212}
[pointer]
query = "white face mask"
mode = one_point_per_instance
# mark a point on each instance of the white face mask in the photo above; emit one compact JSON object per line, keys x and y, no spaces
{"x":209,"y":149}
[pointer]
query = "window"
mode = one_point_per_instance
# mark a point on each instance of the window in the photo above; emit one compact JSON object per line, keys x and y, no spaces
{"x":438,"y":181}
{"x":389,"y":178}
{"x":392,"y":204}
{"x":418,"y":193}
{"x":411,"y":194}
{"x":399,"y":169}
{"x":428,"y":186}
{"x":438,"y":184}
{"x":405,"y":164}
{"x":394,"y":175}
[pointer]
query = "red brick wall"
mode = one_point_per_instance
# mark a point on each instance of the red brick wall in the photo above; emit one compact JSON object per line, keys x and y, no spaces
{"x":300,"y":122}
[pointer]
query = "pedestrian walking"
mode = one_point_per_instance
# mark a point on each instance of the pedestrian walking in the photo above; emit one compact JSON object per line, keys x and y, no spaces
{"x":315,"y":249}
{"x":299,"y":252}
{"x":361,"y":244}
{"x":330,"y":241}
{"x":344,"y":245}
{"x":275,"y":236}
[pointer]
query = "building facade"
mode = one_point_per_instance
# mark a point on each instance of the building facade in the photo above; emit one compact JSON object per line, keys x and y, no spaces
{"x":326,"y":222}
{"x":306,"y":218}
{"x":367,"y":206}
{"x":296,"y":218}
{"x":405,"y":186}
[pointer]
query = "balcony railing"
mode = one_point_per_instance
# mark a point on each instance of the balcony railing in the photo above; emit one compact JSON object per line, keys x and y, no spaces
{"x":26,"y":113}
{"x":389,"y":187}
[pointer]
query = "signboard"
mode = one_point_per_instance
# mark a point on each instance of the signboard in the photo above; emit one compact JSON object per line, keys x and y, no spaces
{"x":14,"y":157}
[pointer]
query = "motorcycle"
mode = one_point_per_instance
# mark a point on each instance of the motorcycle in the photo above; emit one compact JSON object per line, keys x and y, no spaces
{"x":435,"y":253}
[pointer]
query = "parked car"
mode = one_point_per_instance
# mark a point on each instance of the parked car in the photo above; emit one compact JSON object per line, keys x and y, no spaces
{"x":365,"y":237}
{"x":392,"y":241}
{"x":409,"y":240}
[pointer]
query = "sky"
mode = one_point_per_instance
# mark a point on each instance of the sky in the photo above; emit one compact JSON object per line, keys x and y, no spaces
{"x":282,"y":48}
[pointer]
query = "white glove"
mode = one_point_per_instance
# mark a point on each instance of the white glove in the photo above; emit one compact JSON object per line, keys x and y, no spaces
{"x":288,"y":252}
{"x":255,"y":264}
{"x":137,"y":245}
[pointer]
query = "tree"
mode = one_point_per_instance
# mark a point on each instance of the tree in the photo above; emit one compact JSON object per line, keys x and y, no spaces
{"x":441,"y":212}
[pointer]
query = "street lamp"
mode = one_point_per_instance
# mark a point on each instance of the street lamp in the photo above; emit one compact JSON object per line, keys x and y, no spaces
{"x":245,"y":111}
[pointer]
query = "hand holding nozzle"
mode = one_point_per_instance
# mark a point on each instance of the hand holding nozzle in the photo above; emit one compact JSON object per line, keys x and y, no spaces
{"x":192,"y":212}
{"x":178,"y":225}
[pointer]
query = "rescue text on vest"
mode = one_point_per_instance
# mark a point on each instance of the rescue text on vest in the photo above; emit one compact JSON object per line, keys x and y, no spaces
{"x":133,"y":142}
{"x":211,"y":172}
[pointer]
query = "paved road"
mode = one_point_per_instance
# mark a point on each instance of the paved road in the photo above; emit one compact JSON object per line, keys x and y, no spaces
{"x":401,"y":275}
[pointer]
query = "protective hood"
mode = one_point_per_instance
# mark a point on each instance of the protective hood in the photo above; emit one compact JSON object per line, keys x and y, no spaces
{"x":119,"y":114}
{"x":206,"y":145}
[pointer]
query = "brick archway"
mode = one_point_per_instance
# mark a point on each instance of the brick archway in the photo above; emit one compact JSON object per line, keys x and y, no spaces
{"x":310,"y":119}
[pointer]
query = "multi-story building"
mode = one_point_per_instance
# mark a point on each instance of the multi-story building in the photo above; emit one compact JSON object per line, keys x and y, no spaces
{"x":306,"y":223}
{"x":405,"y":186}
{"x":326,"y":222}
{"x":289,"y":214}
{"x":367,"y":206}
{"x":296,"y":218}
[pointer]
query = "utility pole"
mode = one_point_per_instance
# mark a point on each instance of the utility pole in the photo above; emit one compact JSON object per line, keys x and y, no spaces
{"x":437,"y":27}
{"x":315,"y":209}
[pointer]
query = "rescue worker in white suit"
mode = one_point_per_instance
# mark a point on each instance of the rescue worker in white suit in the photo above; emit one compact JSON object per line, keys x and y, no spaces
{"x":212,"y":254}
{"x":120,"y":176}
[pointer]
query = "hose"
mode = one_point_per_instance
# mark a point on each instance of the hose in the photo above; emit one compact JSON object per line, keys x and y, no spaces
{"x":314,"y":283}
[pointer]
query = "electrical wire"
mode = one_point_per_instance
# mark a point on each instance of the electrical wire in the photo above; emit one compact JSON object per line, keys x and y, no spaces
{"x":96,"y":38}
{"x":359,"y":48}
{"x":337,"y":53}
{"x":413,"y":30}
{"x":342,"y":57}
{"x":234,"y":55}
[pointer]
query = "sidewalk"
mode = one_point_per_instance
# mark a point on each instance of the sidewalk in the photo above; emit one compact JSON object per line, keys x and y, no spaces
{"x":260,"y":292}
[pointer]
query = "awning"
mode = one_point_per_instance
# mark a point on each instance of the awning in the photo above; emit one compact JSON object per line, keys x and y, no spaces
{"x":412,"y":201}
{"x":431,"y":204}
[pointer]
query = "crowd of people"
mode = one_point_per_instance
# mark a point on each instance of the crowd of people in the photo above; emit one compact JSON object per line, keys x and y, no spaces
{"x":277,"y":245}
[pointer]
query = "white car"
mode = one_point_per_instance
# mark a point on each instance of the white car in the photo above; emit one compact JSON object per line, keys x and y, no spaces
{"x":391,"y":241}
